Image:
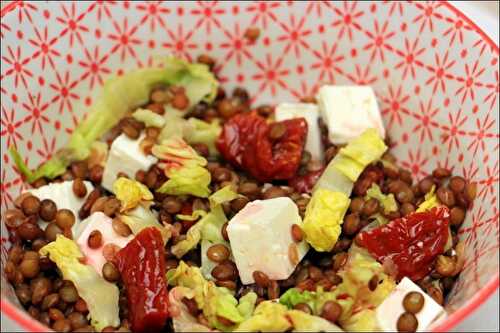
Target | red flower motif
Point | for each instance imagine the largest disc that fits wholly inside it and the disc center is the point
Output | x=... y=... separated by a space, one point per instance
x=410 y=57
x=36 y=110
x=362 y=77
x=488 y=184
x=124 y=39
x=263 y=11
x=10 y=126
x=470 y=173
x=440 y=72
x=154 y=13
x=44 y=46
x=48 y=149
x=18 y=66
x=94 y=66
x=348 y=16
x=3 y=27
x=328 y=62
x=25 y=8
x=452 y=131
x=73 y=27
x=102 y=7
x=180 y=44
x=305 y=90
x=478 y=219
x=416 y=163
x=470 y=81
x=63 y=89
x=481 y=134
x=208 y=14
x=294 y=35
x=271 y=74
x=428 y=13
x=237 y=45
x=456 y=28
x=394 y=105
x=318 y=5
x=378 y=41
x=425 y=118
x=493 y=94
x=394 y=5
x=7 y=199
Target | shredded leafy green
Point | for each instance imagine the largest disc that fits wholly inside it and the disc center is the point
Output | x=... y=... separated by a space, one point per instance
x=149 y=118
x=387 y=200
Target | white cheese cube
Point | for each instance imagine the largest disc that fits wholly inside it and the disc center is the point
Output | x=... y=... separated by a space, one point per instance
x=125 y=156
x=103 y=223
x=310 y=113
x=389 y=311
x=260 y=237
x=63 y=196
x=348 y=111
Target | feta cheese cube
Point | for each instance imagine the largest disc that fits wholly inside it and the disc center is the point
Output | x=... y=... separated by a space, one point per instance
x=348 y=111
x=103 y=223
x=125 y=156
x=63 y=196
x=389 y=311
x=310 y=113
x=261 y=239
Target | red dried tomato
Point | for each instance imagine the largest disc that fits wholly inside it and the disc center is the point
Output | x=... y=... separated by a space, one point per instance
x=142 y=267
x=411 y=243
x=245 y=142
x=305 y=183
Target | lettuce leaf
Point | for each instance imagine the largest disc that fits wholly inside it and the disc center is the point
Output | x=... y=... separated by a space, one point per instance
x=431 y=201
x=100 y=295
x=142 y=217
x=214 y=301
x=181 y=317
x=184 y=168
x=130 y=193
x=355 y=157
x=149 y=118
x=199 y=131
x=120 y=95
x=303 y=322
x=175 y=124
x=386 y=200
x=323 y=219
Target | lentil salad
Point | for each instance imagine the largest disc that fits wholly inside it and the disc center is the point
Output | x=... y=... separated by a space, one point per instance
x=210 y=157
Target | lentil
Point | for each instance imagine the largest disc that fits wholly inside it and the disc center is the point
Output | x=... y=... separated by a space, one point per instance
x=315 y=273
x=238 y=204
x=62 y=325
x=273 y=290
x=252 y=34
x=407 y=322
x=81 y=306
x=407 y=208
x=351 y=224
x=224 y=271
x=65 y=218
x=31 y=205
x=157 y=108
x=297 y=234
x=445 y=265
x=261 y=279
x=277 y=131
x=218 y=253
x=373 y=283
x=221 y=174
x=357 y=204
x=470 y=191
x=171 y=205
x=224 y=232
x=446 y=196
x=79 y=169
x=425 y=185
x=29 y=231
x=95 y=239
x=120 y=228
x=441 y=173
x=68 y=294
x=110 y=272
x=303 y=307
x=96 y=173
x=77 y=320
x=413 y=302
x=159 y=95
x=79 y=188
x=331 y=311
x=273 y=192
x=111 y=207
x=50 y=301
x=339 y=260
x=370 y=207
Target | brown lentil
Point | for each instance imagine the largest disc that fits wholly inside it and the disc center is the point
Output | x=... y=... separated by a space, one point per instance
x=303 y=307
x=29 y=231
x=436 y=293
x=315 y=273
x=224 y=271
x=50 y=301
x=330 y=153
x=23 y=293
x=95 y=174
x=221 y=174
x=425 y=185
x=248 y=188
x=120 y=227
x=14 y=218
x=206 y=59
x=277 y=131
x=441 y=173
x=373 y=283
x=273 y=192
x=45 y=319
x=445 y=265
x=227 y=107
x=339 y=260
x=159 y=95
x=331 y=311
x=171 y=205
x=218 y=253
x=30 y=205
x=470 y=191
x=357 y=204
x=407 y=322
x=157 y=108
x=51 y=231
x=68 y=294
x=202 y=149
x=40 y=288
x=264 y=110
x=98 y=205
x=413 y=302
x=457 y=216
x=111 y=207
x=456 y=184
x=351 y=224
x=370 y=207
x=79 y=169
x=273 y=290
x=407 y=208
x=95 y=239
x=109 y=251
x=65 y=218
x=239 y=203
x=29 y=268
x=79 y=188
x=226 y=284
x=62 y=325
x=81 y=306
x=261 y=279
x=297 y=234
x=333 y=277
x=84 y=211
x=77 y=320
x=446 y=196
x=110 y=272
x=224 y=232
x=48 y=210
x=252 y=34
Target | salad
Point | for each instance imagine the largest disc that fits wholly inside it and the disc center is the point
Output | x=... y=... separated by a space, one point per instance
x=178 y=206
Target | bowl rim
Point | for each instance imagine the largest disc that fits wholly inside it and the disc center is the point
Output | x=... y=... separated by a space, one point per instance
x=22 y=318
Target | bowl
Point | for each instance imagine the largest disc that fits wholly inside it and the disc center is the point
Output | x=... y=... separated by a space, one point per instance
x=435 y=74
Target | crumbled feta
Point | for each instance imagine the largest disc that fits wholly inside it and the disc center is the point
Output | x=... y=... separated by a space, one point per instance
x=310 y=113
x=348 y=111
x=125 y=155
x=389 y=311
x=103 y=223
x=63 y=196
x=261 y=239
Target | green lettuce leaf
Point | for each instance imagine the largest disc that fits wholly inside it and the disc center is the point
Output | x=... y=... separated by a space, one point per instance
x=175 y=124
x=182 y=319
x=359 y=153
x=142 y=217
x=246 y=305
x=323 y=219
x=100 y=295
x=386 y=200
x=193 y=237
x=50 y=169
x=303 y=322
x=431 y=201
x=149 y=118
x=199 y=131
x=214 y=301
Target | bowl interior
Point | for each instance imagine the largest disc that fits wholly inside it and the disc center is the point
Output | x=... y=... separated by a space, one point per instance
x=434 y=72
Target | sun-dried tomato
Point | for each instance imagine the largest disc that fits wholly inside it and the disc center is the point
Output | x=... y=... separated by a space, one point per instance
x=245 y=142
x=305 y=183
x=410 y=243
